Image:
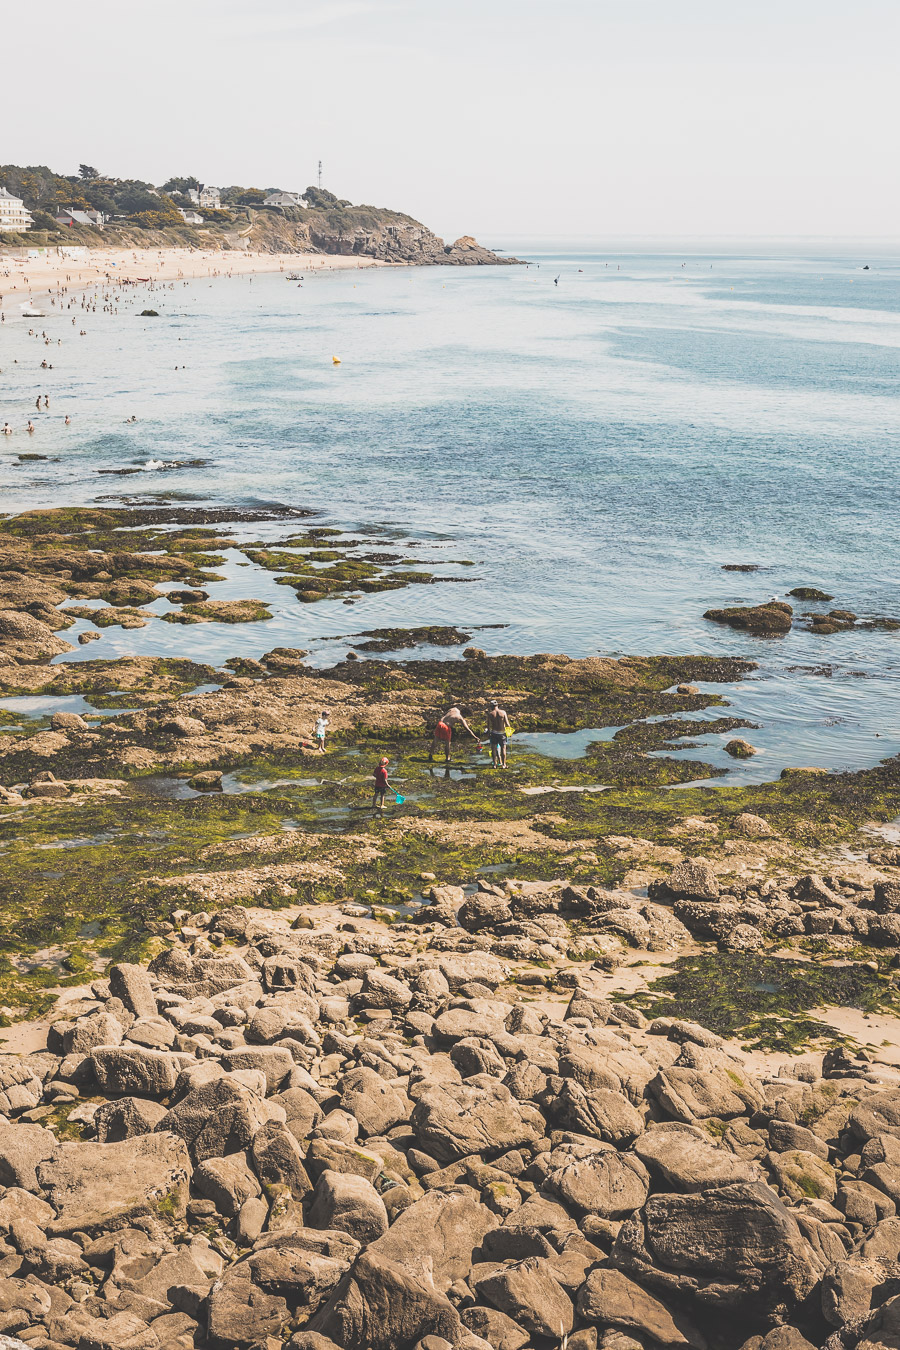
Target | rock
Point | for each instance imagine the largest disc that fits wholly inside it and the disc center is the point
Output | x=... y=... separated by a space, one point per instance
x=208 y=780
x=528 y=1292
x=228 y=1182
x=25 y=638
x=605 y=1183
x=277 y=1159
x=97 y=1187
x=350 y=1204
x=690 y=880
x=379 y=1305
x=273 y=1061
x=67 y=721
x=381 y=990
x=771 y=618
x=753 y=827
x=847 y=1290
x=126 y=1118
x=22 y=1147
x=688 y=1160
x=599 y=1112
x=733 y=1246
x=183 y=726
x=239 y=1314
x=809 y=593
x=690 y=1094
x=609 y=1299
x=740 y=749
x=216 y=1119
x=132 y=985
x=372 y=1101
x=475 y=1117
x=803 y=1176
x=135 y=1072
x=493 y=1326
x=435 y=1237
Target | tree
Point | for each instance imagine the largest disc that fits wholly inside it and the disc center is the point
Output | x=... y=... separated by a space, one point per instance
x=88 y=171
x=180 y=185
x=322 y=198
x=252 y=197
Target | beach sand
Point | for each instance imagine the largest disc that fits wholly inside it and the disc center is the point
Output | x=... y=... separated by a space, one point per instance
x=26 y=278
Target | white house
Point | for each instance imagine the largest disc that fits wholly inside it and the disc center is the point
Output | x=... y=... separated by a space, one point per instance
x=190 y=217
x=283 y=199
x=13 y=213
x=210 y=197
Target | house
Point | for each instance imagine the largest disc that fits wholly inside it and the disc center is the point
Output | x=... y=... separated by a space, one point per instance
x=70 y=218
x=210 y=197
x=13 y=213
x=190 y=217
x=283 y=199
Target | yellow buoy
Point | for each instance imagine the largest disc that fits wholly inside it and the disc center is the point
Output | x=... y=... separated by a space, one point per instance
x=336 y=360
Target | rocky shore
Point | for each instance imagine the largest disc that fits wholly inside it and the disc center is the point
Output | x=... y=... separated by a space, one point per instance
x=556 y=1057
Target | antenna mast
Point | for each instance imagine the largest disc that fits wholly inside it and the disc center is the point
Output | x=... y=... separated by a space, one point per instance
x=320 y=175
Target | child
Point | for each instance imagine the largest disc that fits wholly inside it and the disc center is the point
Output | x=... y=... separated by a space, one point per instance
x=321 y=728
x=381 y=784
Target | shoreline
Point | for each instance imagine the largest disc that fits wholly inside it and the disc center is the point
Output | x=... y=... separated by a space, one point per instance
x=21 y=276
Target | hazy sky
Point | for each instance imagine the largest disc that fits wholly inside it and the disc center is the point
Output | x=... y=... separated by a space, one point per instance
x=551 y=117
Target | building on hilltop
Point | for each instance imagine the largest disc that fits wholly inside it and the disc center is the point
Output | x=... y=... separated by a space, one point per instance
x=190 y=217
x=210 y=197
x=70 y=218
x=283 y=199
x=14 y=215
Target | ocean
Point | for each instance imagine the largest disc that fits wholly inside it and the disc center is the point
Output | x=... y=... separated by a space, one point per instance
x=599 y=433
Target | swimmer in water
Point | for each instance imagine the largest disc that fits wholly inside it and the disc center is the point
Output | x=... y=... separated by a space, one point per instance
x=30 y=426
x=68 y=419
x=7 y=429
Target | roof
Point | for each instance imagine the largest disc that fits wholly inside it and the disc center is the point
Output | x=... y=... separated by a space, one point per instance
x=8 y=196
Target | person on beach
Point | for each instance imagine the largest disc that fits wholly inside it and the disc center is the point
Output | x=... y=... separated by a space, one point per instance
x=321 y=728
x=443 y=732
x=381 y=783
x=498 y=730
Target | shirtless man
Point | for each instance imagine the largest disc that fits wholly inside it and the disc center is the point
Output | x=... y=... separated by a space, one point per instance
x=497 y=724
x=443 y=732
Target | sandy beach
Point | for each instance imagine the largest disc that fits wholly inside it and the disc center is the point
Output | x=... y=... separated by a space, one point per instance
x=23 y=277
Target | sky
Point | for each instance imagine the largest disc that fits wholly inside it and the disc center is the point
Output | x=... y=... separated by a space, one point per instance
x=498 y=118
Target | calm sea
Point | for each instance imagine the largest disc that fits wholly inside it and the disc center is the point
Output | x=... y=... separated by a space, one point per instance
x=597 y=432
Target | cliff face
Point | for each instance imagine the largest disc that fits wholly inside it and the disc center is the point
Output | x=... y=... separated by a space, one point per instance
x=365 y=232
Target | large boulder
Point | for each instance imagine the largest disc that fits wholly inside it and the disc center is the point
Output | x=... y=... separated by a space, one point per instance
x=22 y=1147
x=380 y=1305
x=688 y=1160
x=434 y=1238
x=687 y=1093
x=609 y=1299
x=529 y=1293
x=99 y=1187
x=349 y=1204
x=217 y=1118
x=372 y=1101
x=480 y=1116
x=239 y=1314
x=135 y=1072
x=606 y=1183
x=734 y=1246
